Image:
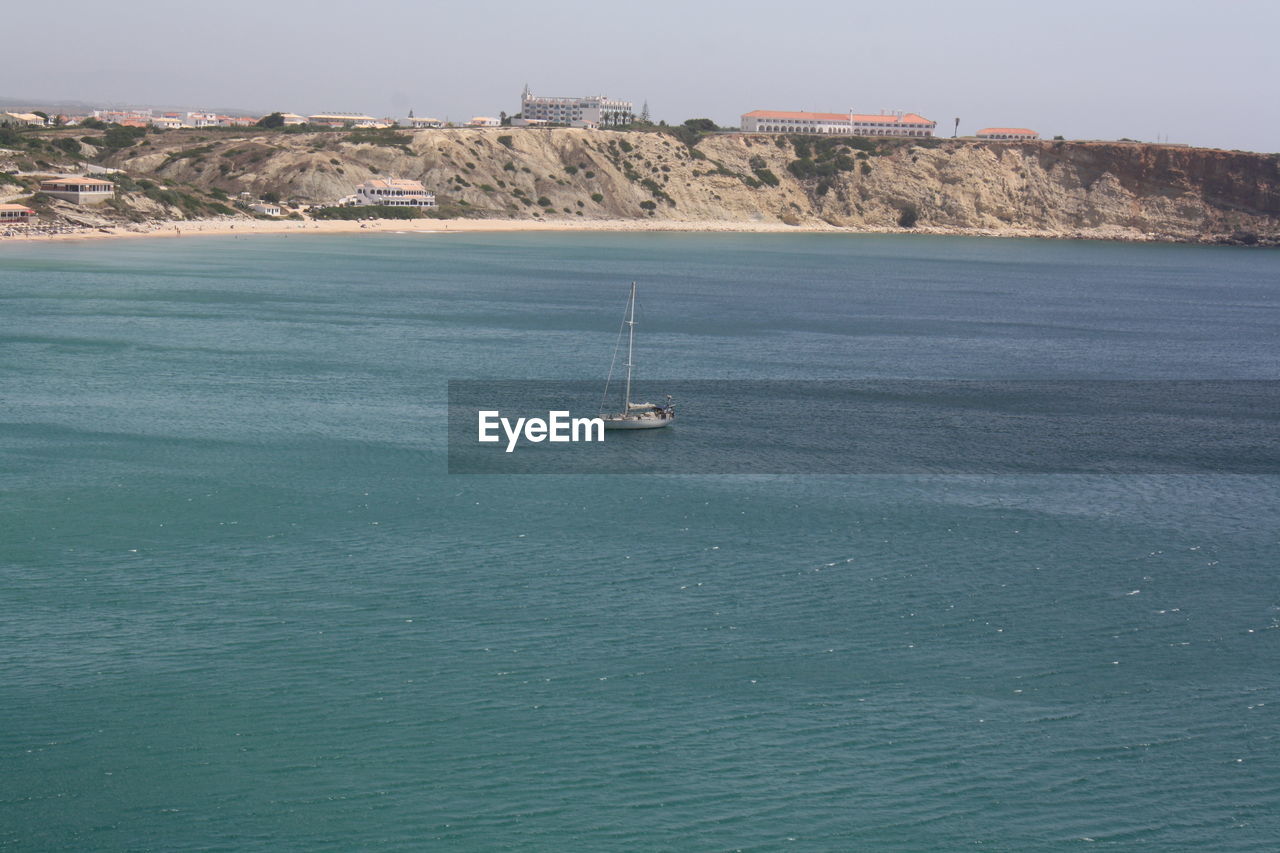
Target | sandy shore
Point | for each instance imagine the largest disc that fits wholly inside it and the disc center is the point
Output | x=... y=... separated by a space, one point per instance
x=241 y=227
x=252 y=227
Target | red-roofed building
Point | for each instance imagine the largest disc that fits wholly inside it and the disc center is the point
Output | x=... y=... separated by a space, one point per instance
x=855 y=124
x=15 y=214
x=1016 y=133
x=79 y=190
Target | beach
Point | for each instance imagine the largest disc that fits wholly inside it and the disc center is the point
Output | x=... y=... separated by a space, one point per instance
x=253 y=227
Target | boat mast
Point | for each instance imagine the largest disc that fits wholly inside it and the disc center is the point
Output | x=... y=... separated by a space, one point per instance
x=631 y=341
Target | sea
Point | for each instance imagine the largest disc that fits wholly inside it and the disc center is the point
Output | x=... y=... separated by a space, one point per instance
x=246 y=606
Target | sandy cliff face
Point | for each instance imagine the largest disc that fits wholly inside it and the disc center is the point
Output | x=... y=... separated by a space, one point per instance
x=1061 y=188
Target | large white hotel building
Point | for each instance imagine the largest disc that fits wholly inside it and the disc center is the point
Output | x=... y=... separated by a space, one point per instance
x=587 y=111
x=850 y=124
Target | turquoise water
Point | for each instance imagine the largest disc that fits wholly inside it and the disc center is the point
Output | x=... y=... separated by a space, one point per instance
x=246 y=608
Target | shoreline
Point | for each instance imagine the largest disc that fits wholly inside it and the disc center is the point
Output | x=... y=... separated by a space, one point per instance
x=254 y=227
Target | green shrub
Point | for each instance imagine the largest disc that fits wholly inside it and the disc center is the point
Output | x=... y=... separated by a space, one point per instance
x=597 y=198
x=118 y=137
x=544 y=201
x=767 y=177
x=385 y=137
x=371 y=211
x=802 y=168
x=908 y=217
x=626 y=146
x=571 y=170
x=648 y=205
x=507 y=141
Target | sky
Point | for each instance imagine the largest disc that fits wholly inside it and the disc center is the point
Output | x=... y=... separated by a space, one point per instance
x=1191 y=72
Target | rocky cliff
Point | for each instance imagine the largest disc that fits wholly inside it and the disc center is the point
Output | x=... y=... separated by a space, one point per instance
x=1121 y=190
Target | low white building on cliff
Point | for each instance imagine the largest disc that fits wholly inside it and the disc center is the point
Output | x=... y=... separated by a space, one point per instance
x=341 y=120
x=848 y=124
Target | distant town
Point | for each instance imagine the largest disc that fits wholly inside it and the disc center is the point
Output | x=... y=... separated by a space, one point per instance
x=585 y=111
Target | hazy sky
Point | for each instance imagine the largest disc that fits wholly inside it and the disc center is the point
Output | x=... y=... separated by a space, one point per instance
x=1201 y=73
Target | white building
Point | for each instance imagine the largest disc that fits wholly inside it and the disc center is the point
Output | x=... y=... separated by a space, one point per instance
x=849 y=124
x=123 y=117
x=1007 y=133
x=166 y=122
x=21 y=119
x=79 y=190
x=338 y=120
x=290 y=119
x=589 y=110
x=267 y=208
x=392 y=192
x=420 y=123
x=199 y=119
x=484 y=121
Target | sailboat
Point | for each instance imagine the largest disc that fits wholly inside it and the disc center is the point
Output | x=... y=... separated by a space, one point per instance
x=634 y=415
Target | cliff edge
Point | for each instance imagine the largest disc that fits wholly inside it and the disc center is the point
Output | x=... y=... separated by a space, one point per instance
x=1050 y=188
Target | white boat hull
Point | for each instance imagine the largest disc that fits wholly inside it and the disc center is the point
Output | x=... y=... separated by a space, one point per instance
x=637 y=422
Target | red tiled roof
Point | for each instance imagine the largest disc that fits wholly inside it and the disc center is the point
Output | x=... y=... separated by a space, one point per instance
x=92 y=182
x=791 y=115
x=908 y=118
x=912 y=118
x=1021 y=131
